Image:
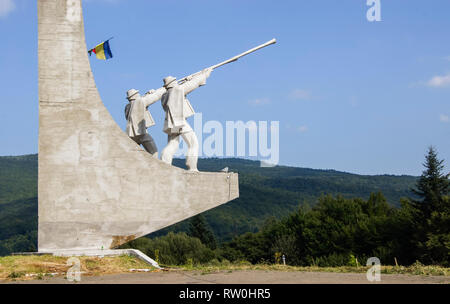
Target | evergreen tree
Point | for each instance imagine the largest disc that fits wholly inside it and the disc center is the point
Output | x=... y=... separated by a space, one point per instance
x=432 y=212
x=199 y=228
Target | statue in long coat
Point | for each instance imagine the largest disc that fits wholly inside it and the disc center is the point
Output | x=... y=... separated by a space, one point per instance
x=178 y=109
x=139 y=118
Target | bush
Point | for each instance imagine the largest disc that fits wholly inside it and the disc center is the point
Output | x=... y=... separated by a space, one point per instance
x=333 y=260
x=174 y=249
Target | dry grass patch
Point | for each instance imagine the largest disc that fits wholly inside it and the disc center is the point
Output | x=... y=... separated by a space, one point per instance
x=415 y=269
x=32 y=267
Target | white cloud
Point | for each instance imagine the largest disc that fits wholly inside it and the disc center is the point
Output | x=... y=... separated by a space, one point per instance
x=302 y=129
x=300 y=94
x=259 y=101
x=444 y=118
x=6 y=7
x=439 y=81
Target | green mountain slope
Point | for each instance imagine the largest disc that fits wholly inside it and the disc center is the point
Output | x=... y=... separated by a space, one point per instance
x=277 y=191
x=18 y=226
x=18 y=177
x=264 y=193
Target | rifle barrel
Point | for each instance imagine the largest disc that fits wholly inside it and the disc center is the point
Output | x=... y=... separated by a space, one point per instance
x=245 y=53
x=235 y=57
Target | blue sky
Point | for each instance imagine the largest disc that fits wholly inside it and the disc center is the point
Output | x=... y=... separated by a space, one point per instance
x=351 y=95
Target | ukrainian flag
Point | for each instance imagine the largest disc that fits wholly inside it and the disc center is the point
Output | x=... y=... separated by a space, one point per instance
x=102 y=51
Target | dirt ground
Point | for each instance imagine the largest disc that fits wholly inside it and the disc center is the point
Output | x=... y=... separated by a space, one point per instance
x=244 y=277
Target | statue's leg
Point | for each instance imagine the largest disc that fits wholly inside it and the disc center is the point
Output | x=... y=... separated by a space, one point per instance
x=136 y=139
x=192 y=153
x=149 y=145
x=173 y=141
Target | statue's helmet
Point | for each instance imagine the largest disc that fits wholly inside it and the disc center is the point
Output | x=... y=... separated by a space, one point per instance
x=131 y=93
x=168 y=80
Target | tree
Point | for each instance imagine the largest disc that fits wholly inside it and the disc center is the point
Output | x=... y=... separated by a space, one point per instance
x=433 y=186
x=199 y=228
x=432 y=212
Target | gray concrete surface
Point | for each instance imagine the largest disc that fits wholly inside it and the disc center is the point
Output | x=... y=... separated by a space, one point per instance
x=97 y=188
x=245 y=277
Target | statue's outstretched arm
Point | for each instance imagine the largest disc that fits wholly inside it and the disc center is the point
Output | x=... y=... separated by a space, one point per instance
x=196 y=81
x=153 y=96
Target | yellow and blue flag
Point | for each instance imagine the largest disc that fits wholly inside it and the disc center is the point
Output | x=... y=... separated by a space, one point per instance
x=102 y=51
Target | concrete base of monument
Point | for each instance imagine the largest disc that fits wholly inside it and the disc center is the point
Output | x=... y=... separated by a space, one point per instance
x=96 y=253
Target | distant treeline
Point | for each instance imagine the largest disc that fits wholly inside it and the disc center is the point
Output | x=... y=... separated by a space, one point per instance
x=335 y=232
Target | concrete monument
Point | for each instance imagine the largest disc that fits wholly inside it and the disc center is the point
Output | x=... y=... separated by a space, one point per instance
x=97 y=188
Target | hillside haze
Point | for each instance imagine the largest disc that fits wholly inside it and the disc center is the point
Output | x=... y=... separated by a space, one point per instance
x=264 y=193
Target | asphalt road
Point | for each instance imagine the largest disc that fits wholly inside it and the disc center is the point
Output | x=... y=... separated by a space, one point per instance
x=244 y=277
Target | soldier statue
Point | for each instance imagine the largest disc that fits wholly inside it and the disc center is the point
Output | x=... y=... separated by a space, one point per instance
x=139 y=118
x=178 y=108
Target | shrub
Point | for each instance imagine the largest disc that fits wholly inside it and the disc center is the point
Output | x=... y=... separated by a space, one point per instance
x=174 y=249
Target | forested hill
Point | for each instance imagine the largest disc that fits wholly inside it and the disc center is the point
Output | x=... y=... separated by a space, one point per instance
x=311 y=183
x=264 y=192
x=18 y=177
x=277 y=191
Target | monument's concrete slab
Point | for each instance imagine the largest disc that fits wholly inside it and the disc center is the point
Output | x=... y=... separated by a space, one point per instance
x=97 y=188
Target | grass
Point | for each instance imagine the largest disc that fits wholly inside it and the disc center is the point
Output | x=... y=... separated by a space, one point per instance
x=38 y=267
x=415 y=269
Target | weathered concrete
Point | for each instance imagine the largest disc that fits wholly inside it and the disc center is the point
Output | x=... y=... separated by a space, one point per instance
x=97 y=188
